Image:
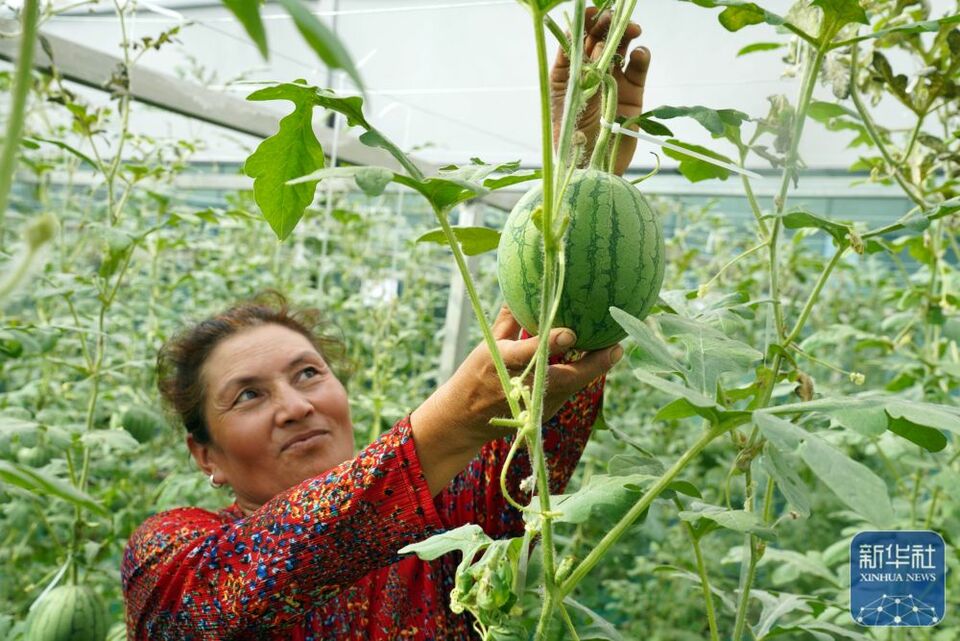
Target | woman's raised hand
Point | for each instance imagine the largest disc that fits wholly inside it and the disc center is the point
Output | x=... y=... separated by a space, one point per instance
x=450 y=427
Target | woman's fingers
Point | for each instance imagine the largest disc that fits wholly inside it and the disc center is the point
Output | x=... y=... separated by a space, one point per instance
x=518 y=354
x=566 y=379
x=505 y=326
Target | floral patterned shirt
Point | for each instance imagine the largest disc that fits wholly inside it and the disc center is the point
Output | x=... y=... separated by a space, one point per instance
x=319 y=561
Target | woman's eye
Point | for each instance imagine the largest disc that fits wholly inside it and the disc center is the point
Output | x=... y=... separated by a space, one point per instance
x=246 y=395
x=309 y=372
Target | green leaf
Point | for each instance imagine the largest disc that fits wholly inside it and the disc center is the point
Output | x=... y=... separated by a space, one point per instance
x=869 y=421
x=597 y=628
x=694 y=169
x=695 y=398
x=783 y=434
x=824 y=111
x=371 y=180
x=760 y=46
x=853 y=483
x=800 y=218
x=842 y=12
x=119 y=440
x=739 y=14
x=926 y=437
x=290 y=153
x=602 y=495
x=710 y=353
x=774 y=607
x=323 y=41
x=713 y=120
x=940 y=417
x=42 y=484
x=653 y=127
x=468 y=539
x=473 y=240
x=737 y=520
x=784 y=473
x=248 y=13
x=651 y=353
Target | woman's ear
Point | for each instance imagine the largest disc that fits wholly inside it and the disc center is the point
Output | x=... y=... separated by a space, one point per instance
x=202 y=455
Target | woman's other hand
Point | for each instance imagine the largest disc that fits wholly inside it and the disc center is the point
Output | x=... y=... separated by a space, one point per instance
x=451 y=426
x=631 y=79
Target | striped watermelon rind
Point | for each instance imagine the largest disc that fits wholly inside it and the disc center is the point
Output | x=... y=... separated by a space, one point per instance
x=614 y=257
x=69 y=613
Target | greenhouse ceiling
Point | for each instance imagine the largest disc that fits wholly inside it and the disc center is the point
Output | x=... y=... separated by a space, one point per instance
x=453 y=79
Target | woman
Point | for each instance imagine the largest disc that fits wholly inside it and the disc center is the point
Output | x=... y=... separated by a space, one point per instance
x=309 y=548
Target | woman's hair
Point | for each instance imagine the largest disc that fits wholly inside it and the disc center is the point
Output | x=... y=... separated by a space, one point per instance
x=180 y=360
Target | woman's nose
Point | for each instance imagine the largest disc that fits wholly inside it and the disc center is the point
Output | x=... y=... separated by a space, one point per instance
x=292 y=405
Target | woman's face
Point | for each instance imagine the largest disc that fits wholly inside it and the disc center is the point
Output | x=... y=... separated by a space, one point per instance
x=277 y=415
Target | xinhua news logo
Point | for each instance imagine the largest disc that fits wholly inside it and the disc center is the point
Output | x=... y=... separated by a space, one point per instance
x=897 y=578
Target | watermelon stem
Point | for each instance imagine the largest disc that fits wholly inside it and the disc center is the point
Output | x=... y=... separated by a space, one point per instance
x=599 y=157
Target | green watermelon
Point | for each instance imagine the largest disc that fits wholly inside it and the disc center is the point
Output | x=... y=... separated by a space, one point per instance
x=142 y=423
x=69 y=613
x=614 y=258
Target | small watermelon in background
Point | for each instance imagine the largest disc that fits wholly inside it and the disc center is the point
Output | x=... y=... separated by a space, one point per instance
x=614 y=258
x=143 y=423
x=69 y=613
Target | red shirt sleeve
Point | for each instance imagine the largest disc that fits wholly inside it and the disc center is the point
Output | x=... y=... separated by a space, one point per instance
x=190 y=573
x=474 y=495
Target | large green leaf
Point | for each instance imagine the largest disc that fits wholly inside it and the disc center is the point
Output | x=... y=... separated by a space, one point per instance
x=852 y=482
x=468 y=539
x=694 y=169
x=43 y=484
x=607 y=497
x=781 y=469
x=473 y=240
x=292 y=152
x=916 y=421
x=248 y=13
x=713 y=120
x=738 y=520
x=651 y=353
x=323 y=41
x=710 y=353
x=801 y=218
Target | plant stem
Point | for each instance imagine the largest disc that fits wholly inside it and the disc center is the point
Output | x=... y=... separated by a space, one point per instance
x=18 y=101
x=547 y=307
x=621 y=18
x=591 y=560
x=812 y=298
x=488 y=338
x=704 y=578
